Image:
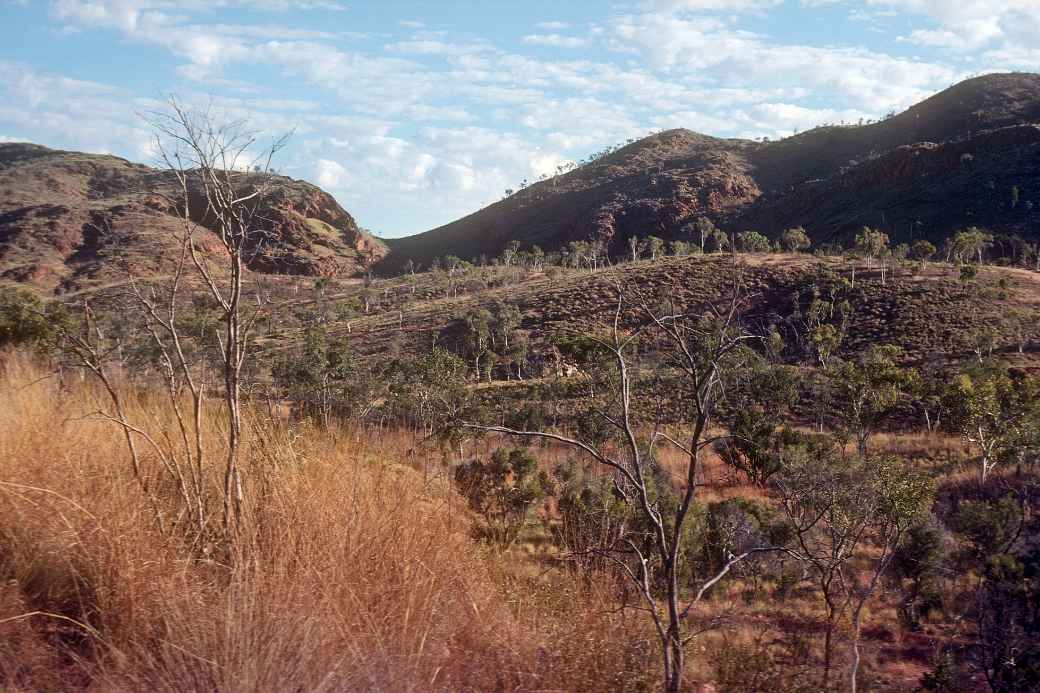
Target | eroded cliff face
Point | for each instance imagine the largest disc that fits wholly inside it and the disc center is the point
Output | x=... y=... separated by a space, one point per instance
x=70 y=221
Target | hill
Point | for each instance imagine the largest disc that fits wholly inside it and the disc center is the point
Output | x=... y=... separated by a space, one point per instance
x=969 y=155
x=70 y=221
x=927 y=311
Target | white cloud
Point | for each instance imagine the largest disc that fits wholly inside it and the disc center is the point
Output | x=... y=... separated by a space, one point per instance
x=330 y=175
x=553 y=26
x=555 y=40
x=970 y=24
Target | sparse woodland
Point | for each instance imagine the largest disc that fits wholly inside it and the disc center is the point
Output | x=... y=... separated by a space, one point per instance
x=699 y=465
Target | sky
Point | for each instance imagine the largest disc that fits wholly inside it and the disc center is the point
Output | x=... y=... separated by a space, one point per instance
x=413 y=113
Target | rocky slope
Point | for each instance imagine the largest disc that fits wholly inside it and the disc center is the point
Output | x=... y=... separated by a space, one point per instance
x=950 y=161
x=72 y=221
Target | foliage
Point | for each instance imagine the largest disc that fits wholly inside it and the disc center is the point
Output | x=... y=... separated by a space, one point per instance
x=324 y=379
x=796 y=240
x=502 y=490
x=429 y=391
x=995 y=410
x=23 y=319
x=872 y=243
x=920 y=559
x=922 y=250
x=1007 y=616
x=867 y=391
x=752 y=242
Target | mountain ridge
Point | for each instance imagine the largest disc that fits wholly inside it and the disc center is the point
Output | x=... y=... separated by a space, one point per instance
x=657 y=184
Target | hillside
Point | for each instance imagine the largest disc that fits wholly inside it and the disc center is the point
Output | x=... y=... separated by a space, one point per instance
x=945 y=163
x=72 y=221
x=927 y=311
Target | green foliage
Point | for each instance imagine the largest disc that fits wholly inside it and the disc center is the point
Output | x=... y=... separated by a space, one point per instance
x=324 y=379
x=971 y=244
x=867 y=391
x=922 y=250
x=429 y=391
x=502 y=491
x=919 y=560
x=593 y=516
x=796 y=240
x=989 y=526
x=871 y=242
x=23 y=320
x=1008 y=622
x=996 y=411
x=752 y=242
x=759 y=438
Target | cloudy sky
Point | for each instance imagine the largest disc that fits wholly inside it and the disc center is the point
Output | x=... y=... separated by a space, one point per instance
x=413 y=113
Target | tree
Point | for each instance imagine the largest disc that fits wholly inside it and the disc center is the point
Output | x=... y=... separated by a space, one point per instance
x=756 y=414
x=796 y=240
x=705 y=350
x=477 y=337
x=634 y=247
x=502 y=491
x=972 y=242
x=704 y=229
x=848 y=516
x=752 y=242
x=324 y=380
x=208 y=160
x=865 y=392
x=871 y=243
x=680 y=248
x=996 y=412
x=922 y=250
x=23 y=319
x=719 y=241
x=652 y=246
x=427 y=391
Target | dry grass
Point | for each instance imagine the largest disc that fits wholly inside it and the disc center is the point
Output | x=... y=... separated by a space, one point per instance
x=356 y=573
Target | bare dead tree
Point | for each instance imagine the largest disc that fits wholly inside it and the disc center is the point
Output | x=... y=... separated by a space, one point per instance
x=702 y=348
x=222 y=185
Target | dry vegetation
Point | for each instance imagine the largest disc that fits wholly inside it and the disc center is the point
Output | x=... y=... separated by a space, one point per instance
x=357 y=573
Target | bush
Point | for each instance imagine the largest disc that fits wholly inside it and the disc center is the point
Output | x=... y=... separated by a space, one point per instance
x=502 y=491
x=23 y=319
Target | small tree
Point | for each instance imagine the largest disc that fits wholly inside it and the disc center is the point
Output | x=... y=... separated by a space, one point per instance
x=703 y=229
x=752 y=242
x=865 y=392
x=871 y=243
x=972 y=242
x=796 y=240
x=652 y=246
x=23 y=319
x=222 y=184
x=995 y=412
x=705 y=350
x=922 y=250
x=848 y=516
x=502 y=491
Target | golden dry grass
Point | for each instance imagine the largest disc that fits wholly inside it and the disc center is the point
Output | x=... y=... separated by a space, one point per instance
x=353 y=572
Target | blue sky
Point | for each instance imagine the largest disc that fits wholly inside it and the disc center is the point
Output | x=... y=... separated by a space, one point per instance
x=416 y=113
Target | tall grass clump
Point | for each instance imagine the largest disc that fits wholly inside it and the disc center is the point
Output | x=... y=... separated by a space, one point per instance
x=352 y=571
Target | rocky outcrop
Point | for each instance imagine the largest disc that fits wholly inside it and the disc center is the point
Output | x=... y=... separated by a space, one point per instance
x=70 y=221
